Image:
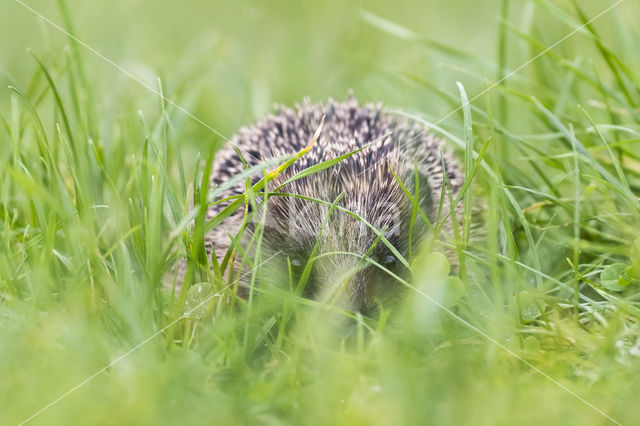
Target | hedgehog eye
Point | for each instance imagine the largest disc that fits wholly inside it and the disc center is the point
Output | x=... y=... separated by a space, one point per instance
x=296 y=261
x=388 y=261
x=297 y=264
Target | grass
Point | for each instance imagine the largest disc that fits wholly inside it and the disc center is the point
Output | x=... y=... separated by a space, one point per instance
x=97 y=175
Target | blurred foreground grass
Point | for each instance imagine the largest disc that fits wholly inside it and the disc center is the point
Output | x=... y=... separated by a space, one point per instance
x=97 y=174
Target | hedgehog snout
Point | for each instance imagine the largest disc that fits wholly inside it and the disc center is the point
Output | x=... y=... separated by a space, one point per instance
x=347 y=286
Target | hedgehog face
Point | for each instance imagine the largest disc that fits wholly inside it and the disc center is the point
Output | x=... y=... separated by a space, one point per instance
x=346 y=254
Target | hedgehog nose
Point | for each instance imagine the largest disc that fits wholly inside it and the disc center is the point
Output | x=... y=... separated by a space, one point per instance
x=350 y=292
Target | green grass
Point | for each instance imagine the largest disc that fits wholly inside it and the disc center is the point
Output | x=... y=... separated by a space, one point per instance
x=97 y=176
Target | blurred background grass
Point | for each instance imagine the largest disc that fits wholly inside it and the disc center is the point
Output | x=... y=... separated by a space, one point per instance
x=85 y=243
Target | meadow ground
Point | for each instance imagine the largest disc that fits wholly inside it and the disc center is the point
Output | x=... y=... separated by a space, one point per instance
x=102 y=151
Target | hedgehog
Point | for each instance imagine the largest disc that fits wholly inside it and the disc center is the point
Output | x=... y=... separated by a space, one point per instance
x=347 y=226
